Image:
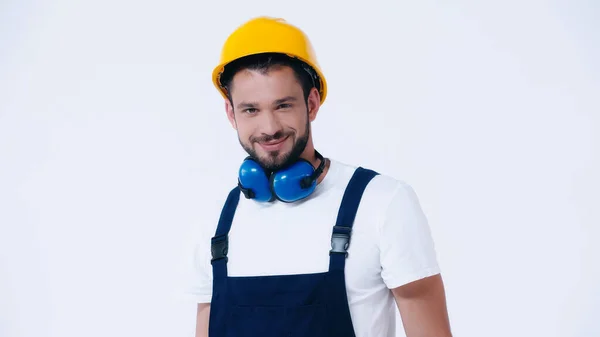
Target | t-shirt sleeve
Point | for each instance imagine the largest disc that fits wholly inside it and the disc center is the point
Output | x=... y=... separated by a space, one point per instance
x=198 y=269
x=199 y=283
x=406 y=244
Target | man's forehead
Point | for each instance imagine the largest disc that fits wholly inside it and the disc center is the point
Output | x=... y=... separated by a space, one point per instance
x=265 y=88
x=273 y=73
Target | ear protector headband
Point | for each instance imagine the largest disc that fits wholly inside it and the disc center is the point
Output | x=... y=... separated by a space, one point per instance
x=292 y=183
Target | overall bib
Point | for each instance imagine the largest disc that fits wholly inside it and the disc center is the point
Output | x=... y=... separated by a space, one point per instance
x=306 y=305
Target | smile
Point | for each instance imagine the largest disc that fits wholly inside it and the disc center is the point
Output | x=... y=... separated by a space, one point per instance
x=273 y=145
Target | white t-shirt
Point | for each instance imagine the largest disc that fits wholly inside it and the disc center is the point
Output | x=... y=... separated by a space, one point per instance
x=391 y=244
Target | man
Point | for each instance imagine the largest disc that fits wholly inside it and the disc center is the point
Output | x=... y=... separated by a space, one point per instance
x=312 y=247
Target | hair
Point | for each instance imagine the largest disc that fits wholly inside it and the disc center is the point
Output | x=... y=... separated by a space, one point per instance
x=264 y=62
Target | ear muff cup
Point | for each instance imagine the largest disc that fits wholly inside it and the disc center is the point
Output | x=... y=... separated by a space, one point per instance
x=293 y=183
x=290 y=184
x=254 y=181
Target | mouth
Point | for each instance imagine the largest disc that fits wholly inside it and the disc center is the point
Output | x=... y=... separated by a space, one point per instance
x=273 y=145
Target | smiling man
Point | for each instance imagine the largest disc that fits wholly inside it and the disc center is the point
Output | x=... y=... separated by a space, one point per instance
x=276 y=138
x=306 y=245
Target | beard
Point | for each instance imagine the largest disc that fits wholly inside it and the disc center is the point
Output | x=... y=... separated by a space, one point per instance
x=275 y=160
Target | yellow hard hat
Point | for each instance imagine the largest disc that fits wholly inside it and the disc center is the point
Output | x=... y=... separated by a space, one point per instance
x=268 y=35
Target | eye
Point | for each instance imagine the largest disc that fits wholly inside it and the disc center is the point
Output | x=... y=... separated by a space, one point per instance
x=250 y=110
x=284 y=106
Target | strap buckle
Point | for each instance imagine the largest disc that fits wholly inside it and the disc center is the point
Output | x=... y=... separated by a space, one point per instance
x=219 y=247
x=340 y=240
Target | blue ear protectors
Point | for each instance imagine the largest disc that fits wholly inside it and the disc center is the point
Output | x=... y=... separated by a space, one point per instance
x=290 y=184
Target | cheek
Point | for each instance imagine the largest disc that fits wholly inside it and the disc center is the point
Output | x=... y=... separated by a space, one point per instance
x=244 y=132
x=300 y=125
x=295 y=121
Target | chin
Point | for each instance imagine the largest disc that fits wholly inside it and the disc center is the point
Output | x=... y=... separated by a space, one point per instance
x=274 y=161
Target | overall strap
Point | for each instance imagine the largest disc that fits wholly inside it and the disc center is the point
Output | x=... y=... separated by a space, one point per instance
x=220 y=242
x=342 y=231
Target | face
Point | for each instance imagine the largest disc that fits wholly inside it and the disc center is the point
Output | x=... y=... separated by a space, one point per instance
x=270 y=115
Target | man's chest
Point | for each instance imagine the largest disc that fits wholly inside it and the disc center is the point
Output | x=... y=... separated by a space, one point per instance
x=298 y=241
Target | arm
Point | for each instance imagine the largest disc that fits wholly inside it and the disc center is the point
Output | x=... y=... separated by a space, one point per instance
x=200 y=277
x=202 y=316
x=410 y=267
x=422 y=305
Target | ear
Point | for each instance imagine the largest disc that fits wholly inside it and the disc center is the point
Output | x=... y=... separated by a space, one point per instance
x=314 y=103
x=230 y=114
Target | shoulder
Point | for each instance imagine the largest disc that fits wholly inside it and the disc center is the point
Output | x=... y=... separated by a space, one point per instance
x=385 y=196
x=383 y=189
x=209 y=210
x=392 y=199
x=401 y=233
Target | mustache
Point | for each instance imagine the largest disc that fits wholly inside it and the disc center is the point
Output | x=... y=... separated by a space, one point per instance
x=267 y=138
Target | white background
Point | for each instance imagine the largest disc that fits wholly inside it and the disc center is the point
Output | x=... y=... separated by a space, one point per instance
x=113 y=142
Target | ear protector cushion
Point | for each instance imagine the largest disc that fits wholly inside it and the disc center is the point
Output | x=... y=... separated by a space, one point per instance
x=289 y=184
x=293 y=183
x=254 y=182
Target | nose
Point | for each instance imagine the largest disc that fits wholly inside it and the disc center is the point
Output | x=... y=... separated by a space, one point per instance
x=269 y=123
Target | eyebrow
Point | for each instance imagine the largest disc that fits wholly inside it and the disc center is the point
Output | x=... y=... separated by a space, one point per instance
x=285 y=99
x=243 y=105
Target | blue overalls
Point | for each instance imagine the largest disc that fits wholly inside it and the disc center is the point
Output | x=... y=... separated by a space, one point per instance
x=307 y=305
